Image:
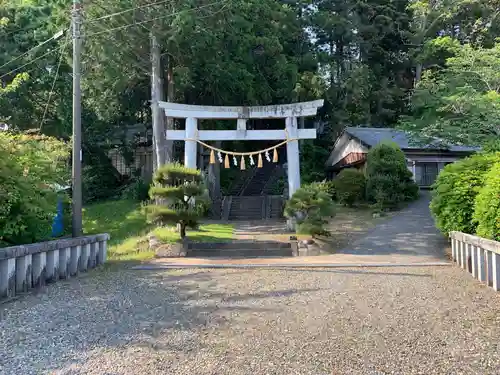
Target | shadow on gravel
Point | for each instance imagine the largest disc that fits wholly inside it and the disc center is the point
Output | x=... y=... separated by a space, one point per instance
x=163 y=311
x=352 y=271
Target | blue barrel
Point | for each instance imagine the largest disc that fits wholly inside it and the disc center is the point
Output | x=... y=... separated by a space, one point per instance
x=58 y=223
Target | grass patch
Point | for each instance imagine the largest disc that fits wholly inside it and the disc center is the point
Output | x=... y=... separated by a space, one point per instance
x=206 y=233
x=125 y=221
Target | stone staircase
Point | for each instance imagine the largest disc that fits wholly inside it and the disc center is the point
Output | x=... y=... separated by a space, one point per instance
x=240 y=249
x=247 y=208
x=259 y=180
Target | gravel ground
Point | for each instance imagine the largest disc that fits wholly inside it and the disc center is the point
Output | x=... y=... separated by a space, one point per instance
x=319 y=321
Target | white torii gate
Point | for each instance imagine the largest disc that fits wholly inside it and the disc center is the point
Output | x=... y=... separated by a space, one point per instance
x=290 y=112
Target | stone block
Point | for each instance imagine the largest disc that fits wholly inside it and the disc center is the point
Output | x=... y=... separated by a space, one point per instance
x=7 y=278
x=52 y=266
x=24 y=273
x=39 y=269
x=64 y=262
x=76 y=253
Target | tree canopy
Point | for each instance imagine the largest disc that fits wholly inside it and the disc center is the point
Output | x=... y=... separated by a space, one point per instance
x=431 y=66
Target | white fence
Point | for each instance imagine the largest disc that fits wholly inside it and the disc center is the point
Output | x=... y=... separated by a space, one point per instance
x=479 y=256
x=30 y=266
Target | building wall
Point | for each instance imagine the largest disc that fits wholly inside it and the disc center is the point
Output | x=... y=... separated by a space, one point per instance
x=345 y=146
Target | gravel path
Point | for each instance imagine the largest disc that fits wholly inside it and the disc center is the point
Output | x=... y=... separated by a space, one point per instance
x=337 y=321
x=408 y=232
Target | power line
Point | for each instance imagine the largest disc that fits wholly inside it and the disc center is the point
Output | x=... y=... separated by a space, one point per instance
x=53 y=37
x=129 y=10
x=63 y=47
x=28 y=63
x=153 y=19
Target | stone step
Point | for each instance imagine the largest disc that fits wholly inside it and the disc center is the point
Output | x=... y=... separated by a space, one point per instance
x=236 y=245
x=242 y=253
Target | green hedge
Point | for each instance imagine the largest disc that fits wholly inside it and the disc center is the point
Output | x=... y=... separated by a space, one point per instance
x=455 y=190
x=350 y=186
x=487 y=206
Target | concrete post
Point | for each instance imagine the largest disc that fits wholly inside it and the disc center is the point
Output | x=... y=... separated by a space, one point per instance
x=495 y=263
x=454 y=250
x=84 y=259
x=102 y=253
x=52 y=266
x=93 y=255
x=489 y=267
x=7 y=278
x=473 y=258
x=76 y=253
x=481 y=266
x=190 y=146
x=39 y=269
x=467 y=254
x=64 y=262
x=24 y=273
x=293 y=158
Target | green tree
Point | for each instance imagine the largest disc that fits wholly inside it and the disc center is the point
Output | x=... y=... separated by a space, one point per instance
x=389 y=182
x=460 y=103
x=181 y=196
x=30 y=169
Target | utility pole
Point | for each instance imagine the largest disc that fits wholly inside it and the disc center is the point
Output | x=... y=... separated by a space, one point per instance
x=156 y=114
x=77 y=120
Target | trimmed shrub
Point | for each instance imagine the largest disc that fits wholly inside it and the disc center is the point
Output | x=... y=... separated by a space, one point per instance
x=455 y=191
x=182 y=197
x=311 y=207
x=350 y=186
x=389 y=182
x=487 y=206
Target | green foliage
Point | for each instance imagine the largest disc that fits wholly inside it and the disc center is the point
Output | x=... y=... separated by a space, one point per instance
x=455 y=190
x=487 y=206
x=136 y=190
x=389 y=182
x=311 y=207
x=459 y=103
x=350 y=186
x=181 y=195
x=31 y=167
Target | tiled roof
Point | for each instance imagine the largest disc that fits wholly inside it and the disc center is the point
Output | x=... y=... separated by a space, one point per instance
x=373 y=136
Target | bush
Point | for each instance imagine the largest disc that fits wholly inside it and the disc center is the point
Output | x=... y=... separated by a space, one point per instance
x=487 y=206
x=455 y=191
x=136 y=190
x=389 y=182
x=311 y=207
x=183 y=197
x=350 y=186
x=30 y=169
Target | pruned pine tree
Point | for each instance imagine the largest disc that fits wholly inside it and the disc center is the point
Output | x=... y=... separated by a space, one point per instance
x=181 y=196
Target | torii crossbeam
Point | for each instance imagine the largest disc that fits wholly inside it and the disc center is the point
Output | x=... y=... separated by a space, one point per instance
x=290 y=112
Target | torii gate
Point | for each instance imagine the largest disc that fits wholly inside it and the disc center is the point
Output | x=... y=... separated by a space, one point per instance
x=290 y=112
